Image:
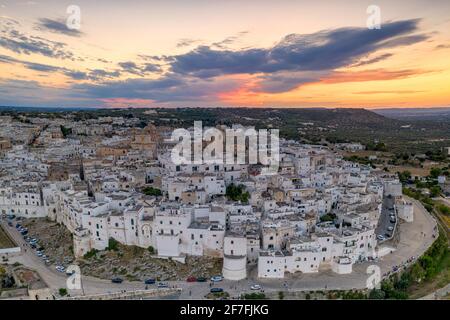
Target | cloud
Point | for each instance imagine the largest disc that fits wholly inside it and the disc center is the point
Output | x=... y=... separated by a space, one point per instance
x=18 y=42
x=165 y=89
x=442 y=46
x=56 y=26
x=320 y=52
x=373 y=60
x=229 y=40
x=140 y=70
x=186 y=42
x=370 y=75
x=30 y=65
x=388 y=92
x=95 y=74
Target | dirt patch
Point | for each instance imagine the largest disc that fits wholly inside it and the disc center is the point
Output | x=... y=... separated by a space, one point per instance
x=54 y=238
x=128 y=262
x=5 y=241
x=137 y=264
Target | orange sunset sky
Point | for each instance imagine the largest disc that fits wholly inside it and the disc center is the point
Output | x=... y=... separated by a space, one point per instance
x=252 y=53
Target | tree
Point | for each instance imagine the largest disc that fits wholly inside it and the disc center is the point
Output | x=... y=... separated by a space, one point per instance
x=435 y=191
x=236 y=193
x=435 y=172
x=62 y=292
x=113 y=244
x=404 y=176
x=150 y=191
x=377 y=294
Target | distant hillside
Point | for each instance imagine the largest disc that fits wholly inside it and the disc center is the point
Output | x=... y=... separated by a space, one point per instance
x=313 y=125
x=417 y=114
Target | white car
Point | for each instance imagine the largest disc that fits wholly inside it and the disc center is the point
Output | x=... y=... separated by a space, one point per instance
x=216 y=278
x=380 y=237
x=255 y=287
x=390 y=228
x=60 y=268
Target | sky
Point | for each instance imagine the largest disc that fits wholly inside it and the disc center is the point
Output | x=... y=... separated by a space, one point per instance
x=211 y=53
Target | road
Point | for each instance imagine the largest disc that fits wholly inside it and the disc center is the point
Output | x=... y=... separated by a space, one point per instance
x=384 y=222
x=415 y=238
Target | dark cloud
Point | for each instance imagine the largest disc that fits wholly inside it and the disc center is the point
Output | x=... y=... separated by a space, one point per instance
x=95 y=74
x=56 y=26
x=324 y=50
x=168 y=88
x=140 y=70
x=16 y=41
x=30 y=65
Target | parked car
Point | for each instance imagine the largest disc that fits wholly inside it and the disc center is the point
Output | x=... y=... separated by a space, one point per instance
x=10 y=223
x=216 y=290
x=150 y=281
x=390 y=228
x=255 y=287
x=380 y=237
x=191 y=279
x=117 y=280
x=18 y=226
x=60 y=268
x=163 y=285
x=201 y=279
x=39 y=253
x=69 y=273
x=216 y=278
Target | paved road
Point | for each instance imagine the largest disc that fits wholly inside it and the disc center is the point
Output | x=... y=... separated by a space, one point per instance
x=384 y=222
x=415 y=238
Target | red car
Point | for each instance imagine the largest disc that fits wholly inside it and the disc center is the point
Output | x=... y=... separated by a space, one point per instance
x=191 y=279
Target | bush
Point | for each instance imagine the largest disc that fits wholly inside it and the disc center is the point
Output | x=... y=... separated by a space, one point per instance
x=377 y=294
x=150 y=191
x=254 y=296
x=151 y=250
x=62 y=292
x=236 y=193
x=90 y=254
x=113 y=244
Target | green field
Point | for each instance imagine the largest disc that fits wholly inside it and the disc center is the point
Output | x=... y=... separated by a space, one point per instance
x=5 y=241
